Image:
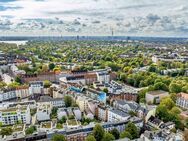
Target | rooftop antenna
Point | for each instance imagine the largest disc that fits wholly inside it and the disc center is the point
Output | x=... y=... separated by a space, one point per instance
x=112 y=32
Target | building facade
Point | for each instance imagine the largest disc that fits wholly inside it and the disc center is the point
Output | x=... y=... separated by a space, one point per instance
x=182 y=100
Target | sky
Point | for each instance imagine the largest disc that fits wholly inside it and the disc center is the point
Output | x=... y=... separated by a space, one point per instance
x=94 y=17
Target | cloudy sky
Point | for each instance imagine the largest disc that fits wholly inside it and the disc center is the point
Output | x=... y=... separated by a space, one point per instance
x=94 y=17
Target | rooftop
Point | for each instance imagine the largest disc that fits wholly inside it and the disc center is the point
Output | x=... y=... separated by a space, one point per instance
x=183 y=95
x=158 y=92
x=120 y=113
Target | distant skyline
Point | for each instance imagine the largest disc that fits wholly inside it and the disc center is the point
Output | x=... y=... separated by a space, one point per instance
x=94 y=17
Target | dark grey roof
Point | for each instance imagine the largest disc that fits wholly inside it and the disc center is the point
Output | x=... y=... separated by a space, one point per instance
x=133 y=105
x=118 y=112
x=48 y=99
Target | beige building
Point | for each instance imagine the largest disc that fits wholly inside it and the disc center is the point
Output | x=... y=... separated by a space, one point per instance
x=82 y=103
x=154 y=97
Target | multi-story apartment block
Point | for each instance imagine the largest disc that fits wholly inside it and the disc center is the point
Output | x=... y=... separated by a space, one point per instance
x=36 y=87
x=82 y=103
x=43 y=112
x=103 y=76
x=102 y=113
x=96 y=95
x=22 y=91
x=55 y=102
x=182 y=100
x=115 y=115
x=14 y=115
x=6 y=95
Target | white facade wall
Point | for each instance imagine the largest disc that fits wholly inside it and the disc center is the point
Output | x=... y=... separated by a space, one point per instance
x=181 y=102
x=22 y=93
x=14 y=116
x=113 y=117
x=77 y=114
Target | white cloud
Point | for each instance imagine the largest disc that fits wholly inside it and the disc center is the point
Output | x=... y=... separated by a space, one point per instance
x=95 y=17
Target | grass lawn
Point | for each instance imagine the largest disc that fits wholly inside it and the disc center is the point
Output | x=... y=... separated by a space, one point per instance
x=18 y=128
x=46 y=125
x=72 y=122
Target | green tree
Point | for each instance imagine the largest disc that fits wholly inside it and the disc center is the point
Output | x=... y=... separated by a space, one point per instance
x=54 y=112
x=90 y=138
x=30 y=130
x=160 y=86
x=115 y=133
x=132 y=129
x=173 y=96
x=162 y=112
x=168 y=103
x=51 y=66
x=175 y=88
x=18 y=79
x=47 y=84
x=58 y=137
x=125 y=134
x=68 y=101
x=6 y=131
x=2 y=85
x=175 y=110
x=105 y=90
x=98 y=132
x=152 y=68
x=108 y=137
x=63 y=120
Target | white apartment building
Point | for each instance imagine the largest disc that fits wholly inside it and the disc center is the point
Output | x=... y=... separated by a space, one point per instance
x=61 y=113
x=77 y=113
x=14 y=115
x=36 y=87
x=7 y=95
x=182 y=100
x=115 y=115
x=22 y=92
x=43 y=112
x=55 y=102
x=103 y=76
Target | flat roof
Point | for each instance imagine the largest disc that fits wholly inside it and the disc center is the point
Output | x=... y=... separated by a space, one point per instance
x=158 y=92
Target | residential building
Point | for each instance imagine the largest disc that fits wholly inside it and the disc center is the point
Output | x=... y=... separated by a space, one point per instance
x=115 y=115
x=160 y=135
x=77 y=113
x=14 y=115
x=36 y=87
x=103 y=76
x=15 y=71
x=182 y=100
x=92 y=106
x=43 y=112
x=102 y=113
x=55 y=102
x=123 y=96
x=7 y=94
x=154 y=97
x=22 y=91
x=145 y=112
x=126 y=106
x=61 y=113
x=96 y=95
x=82 y=103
